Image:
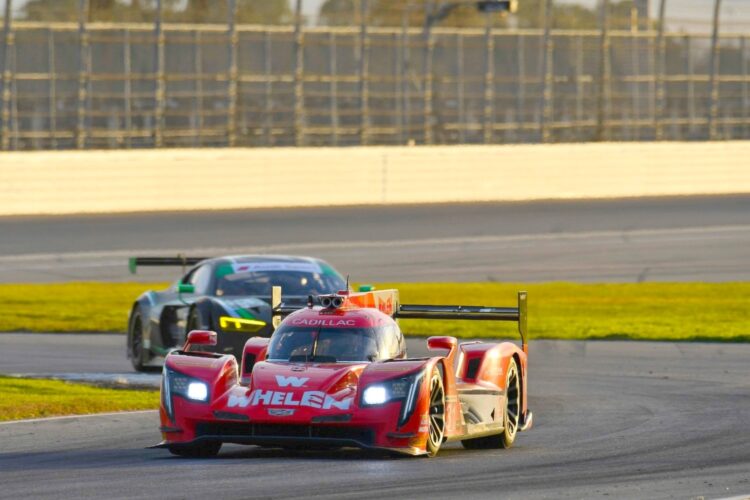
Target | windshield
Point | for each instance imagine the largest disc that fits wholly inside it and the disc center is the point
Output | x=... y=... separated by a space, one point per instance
x=327 y=345
x=291 y=282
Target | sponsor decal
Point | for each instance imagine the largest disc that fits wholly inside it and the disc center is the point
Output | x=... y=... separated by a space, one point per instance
x=324 y=322
x=424 y=424
x=310 y=399
x=291 y=381
x=256 y=267
x=280 y=412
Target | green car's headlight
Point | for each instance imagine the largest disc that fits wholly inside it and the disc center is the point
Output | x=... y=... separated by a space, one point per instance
x=231 y=324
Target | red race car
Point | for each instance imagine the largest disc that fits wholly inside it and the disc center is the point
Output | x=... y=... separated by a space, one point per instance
x=336 y=374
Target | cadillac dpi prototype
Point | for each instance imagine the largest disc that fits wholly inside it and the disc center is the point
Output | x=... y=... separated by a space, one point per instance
x=337 y=375
x=228 y=295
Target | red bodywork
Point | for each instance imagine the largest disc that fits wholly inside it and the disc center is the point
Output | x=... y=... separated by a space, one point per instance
x=280 y=403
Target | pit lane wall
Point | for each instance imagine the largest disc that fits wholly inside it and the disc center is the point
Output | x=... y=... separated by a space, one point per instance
x=190 y=179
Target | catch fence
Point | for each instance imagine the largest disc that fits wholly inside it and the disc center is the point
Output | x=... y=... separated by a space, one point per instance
x=99 y=85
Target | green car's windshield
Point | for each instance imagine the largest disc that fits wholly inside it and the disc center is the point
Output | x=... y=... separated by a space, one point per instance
x=292 y=283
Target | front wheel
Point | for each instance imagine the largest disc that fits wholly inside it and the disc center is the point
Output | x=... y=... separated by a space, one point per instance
x=136 y=345
x=199 y=450
x=436 y=414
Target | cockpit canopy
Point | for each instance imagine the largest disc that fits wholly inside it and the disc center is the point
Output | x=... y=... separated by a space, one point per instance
x=330 y=345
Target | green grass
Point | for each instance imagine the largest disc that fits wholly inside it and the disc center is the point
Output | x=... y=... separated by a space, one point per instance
x=645 y=311
x=26 y=398
x=69 y=307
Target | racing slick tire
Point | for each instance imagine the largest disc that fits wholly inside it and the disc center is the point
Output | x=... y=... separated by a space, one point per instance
x=136 y=349
x=436 y=414
x=200 y=450
x=511 y=415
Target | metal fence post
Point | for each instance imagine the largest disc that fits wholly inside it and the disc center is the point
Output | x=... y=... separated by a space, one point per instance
x=198 y=68
x=659 y=59
x=233 y=73
x=404 y=75
x=364 y=110
x=52 y=86
x=268 y=71
x=713 y=86
x=602 y=121
x=690 y=84
x=547 y=74
x=489 y=82
x=84 y=70
x=521 y=86
x=579 y=87
x=299 y=61
x=635 y=61
x=427 y=68
x=127 y=63
x=5 y=78
x=160 y=94
x=398 y=99
x=460 y=88
x=745 y=95
x=334 y=98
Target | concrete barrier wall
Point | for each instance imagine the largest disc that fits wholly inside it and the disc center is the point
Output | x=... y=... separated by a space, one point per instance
x=185 y=179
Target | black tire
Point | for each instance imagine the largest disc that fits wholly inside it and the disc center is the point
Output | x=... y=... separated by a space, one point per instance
x=200 y=450
x=511 y=414
x=136 y=350
x=436 y=413
x=196 y=321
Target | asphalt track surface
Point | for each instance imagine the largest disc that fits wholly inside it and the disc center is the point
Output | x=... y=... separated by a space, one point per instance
x=704 y=238
x=612 y=420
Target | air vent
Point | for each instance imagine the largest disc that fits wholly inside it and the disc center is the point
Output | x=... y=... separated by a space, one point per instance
x=473 y=368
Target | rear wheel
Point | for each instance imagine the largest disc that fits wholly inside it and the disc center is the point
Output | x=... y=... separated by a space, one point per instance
x=436 y=414
x=199 y=450
x=510 y=415
x=136 y=344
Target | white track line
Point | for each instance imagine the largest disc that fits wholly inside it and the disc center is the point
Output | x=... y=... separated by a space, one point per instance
x=701 y=230
x=67 y=417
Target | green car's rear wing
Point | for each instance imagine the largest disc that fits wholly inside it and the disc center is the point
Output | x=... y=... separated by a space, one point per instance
x=179 y=260
x=476 y=313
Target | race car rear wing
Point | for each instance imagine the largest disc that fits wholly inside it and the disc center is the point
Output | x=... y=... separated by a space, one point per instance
x=387 y=301
x=179 y=260
x=475 y=313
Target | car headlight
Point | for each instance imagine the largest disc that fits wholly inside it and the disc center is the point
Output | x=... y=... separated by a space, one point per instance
x=230 y=324
x=197 y=391
x=177 y=384
x=404 y=389
x=375 y=395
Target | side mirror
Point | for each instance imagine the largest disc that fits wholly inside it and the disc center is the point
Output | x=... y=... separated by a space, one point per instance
x=448 y=343
x=185 y=288
x=366 y=288
x=199 y=337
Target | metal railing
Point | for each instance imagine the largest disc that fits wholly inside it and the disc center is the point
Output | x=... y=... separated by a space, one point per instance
x=104 y=85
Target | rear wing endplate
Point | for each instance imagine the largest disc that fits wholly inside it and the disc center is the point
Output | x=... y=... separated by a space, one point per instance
x=476 y=313
x=179 y=260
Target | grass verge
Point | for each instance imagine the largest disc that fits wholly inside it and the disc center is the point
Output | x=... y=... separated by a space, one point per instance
x=644 y=311
x=26 y=398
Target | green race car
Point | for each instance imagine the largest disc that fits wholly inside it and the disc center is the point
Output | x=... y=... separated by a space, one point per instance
x=229 y=295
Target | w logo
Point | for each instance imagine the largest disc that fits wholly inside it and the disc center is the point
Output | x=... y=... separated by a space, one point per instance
x=291 y=381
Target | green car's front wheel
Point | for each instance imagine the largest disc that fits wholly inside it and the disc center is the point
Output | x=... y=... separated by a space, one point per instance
x=136 y=345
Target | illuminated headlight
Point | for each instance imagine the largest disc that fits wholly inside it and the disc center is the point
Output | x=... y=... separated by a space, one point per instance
x=197 y=391
x=228 y=323
x=404 y=389
x=177 y=384
x=375 y=395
